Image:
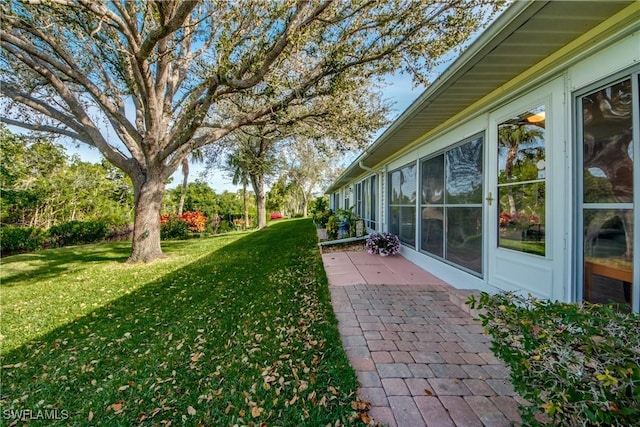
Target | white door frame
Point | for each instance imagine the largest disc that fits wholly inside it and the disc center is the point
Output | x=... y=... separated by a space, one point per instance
x=541 y=276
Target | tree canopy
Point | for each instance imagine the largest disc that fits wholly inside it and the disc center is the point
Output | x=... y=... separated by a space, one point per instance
x=144 y=81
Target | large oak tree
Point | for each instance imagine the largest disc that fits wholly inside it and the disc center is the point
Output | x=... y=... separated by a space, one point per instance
x=142 y=81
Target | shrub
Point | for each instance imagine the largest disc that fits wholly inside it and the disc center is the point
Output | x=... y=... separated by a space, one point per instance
x=173 y=227
x=320 y=204
x=76 y=232
x=21 y=239
x=383 y=243
x=341 y=223
x=196 y=221
x=321 y=218
x=578 y=364
x=224 y=226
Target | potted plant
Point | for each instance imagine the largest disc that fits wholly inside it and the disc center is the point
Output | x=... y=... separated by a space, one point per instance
x=383 y=244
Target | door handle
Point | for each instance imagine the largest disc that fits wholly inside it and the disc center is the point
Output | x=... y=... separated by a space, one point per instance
x=489 y=198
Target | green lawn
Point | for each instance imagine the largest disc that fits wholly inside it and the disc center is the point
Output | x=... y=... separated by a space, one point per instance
x=228 y=330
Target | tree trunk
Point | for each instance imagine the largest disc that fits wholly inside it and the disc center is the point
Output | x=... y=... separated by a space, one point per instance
x=245 y=205
x=146 y=226
x=185 y=181
x=305 y=204
x=508 y=170
x=257 y=181
x=512 y=203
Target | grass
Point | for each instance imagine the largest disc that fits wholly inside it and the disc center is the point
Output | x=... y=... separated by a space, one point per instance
x=227 y=330
x=536 y=248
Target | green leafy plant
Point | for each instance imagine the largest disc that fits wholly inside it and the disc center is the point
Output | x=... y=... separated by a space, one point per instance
x=21 y=239
x=76 y=232
x=342 y=223
x=577 y=364
x=332 y=227
x=320 y=212
x=173 y=227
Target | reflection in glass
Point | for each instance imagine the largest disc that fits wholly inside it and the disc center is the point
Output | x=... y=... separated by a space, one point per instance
x=452 y=219
x=407 y=231
x=464 y=237
x=433 y=230
x=403 y=223
x=608 y=215
x=607 y=137
x=523 y=231
x=395 y=187
x=402 y=209
x=403 y=185
x=464 y=173
x=521 y=177
x=608 y=266
x=433 y=181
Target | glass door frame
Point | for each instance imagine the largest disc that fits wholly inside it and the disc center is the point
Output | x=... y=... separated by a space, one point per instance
x=543 y=276
x=578 y=265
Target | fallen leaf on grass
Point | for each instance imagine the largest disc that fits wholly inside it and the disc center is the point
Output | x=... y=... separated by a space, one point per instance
x=361 y=406
x=116 y=407
x=364 y=417
x=17 y=365
x=191 y=410
x=256 y=411
x=90 y=416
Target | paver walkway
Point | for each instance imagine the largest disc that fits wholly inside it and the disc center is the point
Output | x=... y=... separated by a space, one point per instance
x=420 y=358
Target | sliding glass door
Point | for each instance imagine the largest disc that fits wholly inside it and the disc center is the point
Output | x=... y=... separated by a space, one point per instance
x=451 y=205
x=608 y=193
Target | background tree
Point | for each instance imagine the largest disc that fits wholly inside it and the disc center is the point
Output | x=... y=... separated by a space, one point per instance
x=25 y=167
x=278 y=195
x=196 y=157
x=154 y=73
x=41 y=186
x=308 y=166
x=518 y=142
x=255 y=153
x=326 y=124
x=201 y=197
x=240 y=175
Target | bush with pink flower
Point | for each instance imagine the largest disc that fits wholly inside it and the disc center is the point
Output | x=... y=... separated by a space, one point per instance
x=383 y=243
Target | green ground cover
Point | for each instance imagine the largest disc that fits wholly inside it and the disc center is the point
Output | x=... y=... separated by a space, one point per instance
x=228 y=330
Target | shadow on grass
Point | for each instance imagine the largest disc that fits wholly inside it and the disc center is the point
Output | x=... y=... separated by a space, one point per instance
x=51 y=263
x=247 y=331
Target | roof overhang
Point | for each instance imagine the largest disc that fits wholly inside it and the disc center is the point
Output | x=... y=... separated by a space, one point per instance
x=527 y=34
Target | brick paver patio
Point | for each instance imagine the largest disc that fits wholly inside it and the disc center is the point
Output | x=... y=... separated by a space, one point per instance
x=420 y=357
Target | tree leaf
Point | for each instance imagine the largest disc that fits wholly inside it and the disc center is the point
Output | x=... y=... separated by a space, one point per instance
x=256 y=411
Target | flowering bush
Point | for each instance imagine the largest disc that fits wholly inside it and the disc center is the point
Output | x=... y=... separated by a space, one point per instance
x=177 y=227
x=519 y=220
x=196 y=221
x=383 y=243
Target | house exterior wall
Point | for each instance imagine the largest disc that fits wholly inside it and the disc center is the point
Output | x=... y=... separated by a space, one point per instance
x=553 y=274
